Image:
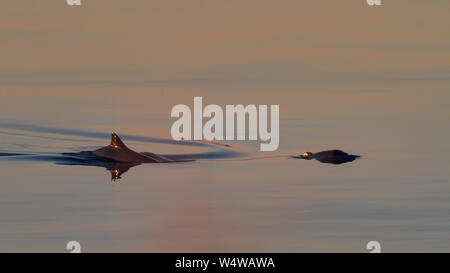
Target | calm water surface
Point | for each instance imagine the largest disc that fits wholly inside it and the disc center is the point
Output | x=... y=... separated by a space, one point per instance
x=396 y=194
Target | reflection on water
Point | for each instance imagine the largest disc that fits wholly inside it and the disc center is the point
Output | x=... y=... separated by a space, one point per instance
x=117 y=169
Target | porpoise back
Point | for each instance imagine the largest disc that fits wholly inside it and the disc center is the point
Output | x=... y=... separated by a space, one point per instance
x=117 y=151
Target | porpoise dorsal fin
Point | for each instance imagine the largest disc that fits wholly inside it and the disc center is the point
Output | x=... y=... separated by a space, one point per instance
x=116 y=142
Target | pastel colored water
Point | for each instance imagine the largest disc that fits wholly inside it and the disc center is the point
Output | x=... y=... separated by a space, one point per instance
x=369 y=81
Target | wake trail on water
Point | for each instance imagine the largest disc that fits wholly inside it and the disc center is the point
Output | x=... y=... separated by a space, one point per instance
x=217 y=150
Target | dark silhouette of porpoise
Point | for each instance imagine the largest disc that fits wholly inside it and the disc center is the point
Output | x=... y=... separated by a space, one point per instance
x=117 y=158
x=123 y=158
x=330 y=156
x=117 y=151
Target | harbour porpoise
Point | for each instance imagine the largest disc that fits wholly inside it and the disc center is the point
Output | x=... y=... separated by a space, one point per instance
x=117 y=158
x=330 y=156
x=117 y=151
